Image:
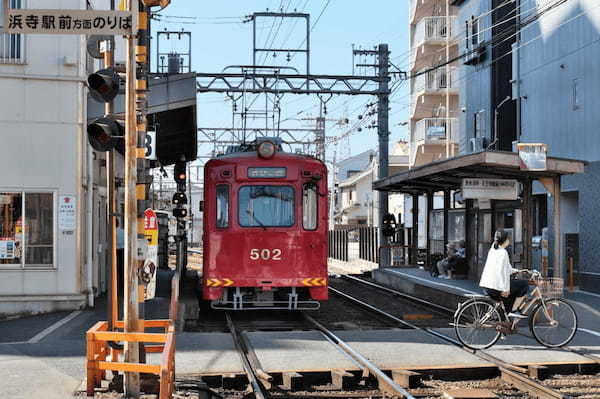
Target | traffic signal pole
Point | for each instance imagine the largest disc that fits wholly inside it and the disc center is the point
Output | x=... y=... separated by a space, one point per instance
x=131 y=312
x=112 y=204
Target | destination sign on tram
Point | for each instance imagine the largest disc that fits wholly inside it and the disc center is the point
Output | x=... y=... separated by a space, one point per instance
x=268 y=173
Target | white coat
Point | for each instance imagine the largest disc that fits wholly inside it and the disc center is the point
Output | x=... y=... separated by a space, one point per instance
x=497 y=270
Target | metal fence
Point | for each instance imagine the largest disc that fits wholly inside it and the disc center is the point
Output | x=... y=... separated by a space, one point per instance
x=338 y=244
x=368 y=238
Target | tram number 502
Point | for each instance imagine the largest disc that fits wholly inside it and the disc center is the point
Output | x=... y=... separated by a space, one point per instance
x=265 y=254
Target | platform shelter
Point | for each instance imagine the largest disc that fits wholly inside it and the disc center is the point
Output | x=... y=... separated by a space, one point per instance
x=479 y=218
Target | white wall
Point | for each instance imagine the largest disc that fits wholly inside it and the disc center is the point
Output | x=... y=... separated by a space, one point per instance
x=41 y=124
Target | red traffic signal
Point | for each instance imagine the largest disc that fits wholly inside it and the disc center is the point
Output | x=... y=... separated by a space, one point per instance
x=104 y=85
x=104 y=133
x=180 y=172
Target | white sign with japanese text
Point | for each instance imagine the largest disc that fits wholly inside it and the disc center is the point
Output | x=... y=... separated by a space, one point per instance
x=497 y=189
x=67 y=213
x=74 y=22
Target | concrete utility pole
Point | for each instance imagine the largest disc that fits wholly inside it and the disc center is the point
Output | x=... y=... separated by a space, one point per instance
x=131 y=309
x=448 y=80
x=111 y=199
x=383 y=133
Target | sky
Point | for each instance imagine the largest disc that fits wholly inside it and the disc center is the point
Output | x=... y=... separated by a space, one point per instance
x=221 y=39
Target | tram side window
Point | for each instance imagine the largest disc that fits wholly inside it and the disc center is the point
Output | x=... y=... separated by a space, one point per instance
x=222 y=206
x=309 y=207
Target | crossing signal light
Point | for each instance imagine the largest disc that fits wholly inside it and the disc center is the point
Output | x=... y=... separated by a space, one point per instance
x=104 y=85
x=104 y=133
x=180 y=213
x=180 y=199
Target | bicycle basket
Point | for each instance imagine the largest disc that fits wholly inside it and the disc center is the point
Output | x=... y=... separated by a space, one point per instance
x=551 y=286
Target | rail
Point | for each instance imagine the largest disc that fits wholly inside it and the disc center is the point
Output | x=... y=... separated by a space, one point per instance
x=250 y=371
x=385 y=383
x=510 y=373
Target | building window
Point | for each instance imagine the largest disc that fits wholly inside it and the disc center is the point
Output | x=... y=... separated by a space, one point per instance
x=472 y=32
x=479 y=124
x=26 y=229
x=222 y=206
x=309 y=206
x=11 y=45
x=576 y=95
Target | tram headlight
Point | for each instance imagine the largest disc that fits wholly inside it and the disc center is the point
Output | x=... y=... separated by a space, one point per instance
x=266 y=149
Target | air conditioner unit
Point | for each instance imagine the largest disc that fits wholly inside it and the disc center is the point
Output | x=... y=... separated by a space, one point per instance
x=477 y=144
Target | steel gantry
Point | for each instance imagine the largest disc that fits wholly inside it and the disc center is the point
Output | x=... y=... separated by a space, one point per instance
x=275 y=83
x=251 y=81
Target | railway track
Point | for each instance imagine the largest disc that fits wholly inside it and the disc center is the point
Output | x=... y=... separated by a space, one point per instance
x=261 y=382
x=561 y=387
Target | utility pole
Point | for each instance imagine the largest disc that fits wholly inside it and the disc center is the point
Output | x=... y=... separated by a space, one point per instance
x=383 y=133
x=320 y=136
x=111 y=199
x=131 y=309
x=448 y=80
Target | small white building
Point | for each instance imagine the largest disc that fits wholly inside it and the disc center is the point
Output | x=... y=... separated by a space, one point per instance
x=357 y=203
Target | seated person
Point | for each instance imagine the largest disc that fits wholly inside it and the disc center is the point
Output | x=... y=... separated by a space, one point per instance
x=456 y=254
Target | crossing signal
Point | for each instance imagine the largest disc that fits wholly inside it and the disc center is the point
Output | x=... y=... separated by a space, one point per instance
x=104 y=133
x=104 y=85
x=179 y=199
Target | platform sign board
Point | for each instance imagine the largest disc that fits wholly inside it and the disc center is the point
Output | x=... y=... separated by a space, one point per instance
x=151 y=233
x=497 y=189
x=532 y=156
x=71 y=22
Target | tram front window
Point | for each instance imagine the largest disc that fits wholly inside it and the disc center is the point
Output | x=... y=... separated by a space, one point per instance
x=266 y=206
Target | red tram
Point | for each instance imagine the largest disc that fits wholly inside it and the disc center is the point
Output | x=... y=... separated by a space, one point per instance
x=265 y=229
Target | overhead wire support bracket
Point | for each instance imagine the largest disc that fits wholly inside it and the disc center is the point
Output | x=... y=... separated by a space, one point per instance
x=289 y=84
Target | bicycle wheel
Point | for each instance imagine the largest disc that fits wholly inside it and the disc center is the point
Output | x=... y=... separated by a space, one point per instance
x=476 y=324
x=553 y=322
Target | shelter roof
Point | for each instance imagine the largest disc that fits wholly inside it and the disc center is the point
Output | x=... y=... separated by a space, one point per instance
x=448 y=173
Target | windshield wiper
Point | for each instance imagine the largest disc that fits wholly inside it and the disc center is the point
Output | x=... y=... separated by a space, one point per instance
x=261 y=224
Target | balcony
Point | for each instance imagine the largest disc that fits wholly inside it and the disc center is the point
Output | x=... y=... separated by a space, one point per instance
x=432 y=30
x=429 y=138
x=427 y=89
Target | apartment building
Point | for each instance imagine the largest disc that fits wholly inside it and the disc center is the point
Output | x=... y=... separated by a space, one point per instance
x=527 y=76
x=434 y=91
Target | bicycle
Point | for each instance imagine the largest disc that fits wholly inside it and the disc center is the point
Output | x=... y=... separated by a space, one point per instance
x=481 y=321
